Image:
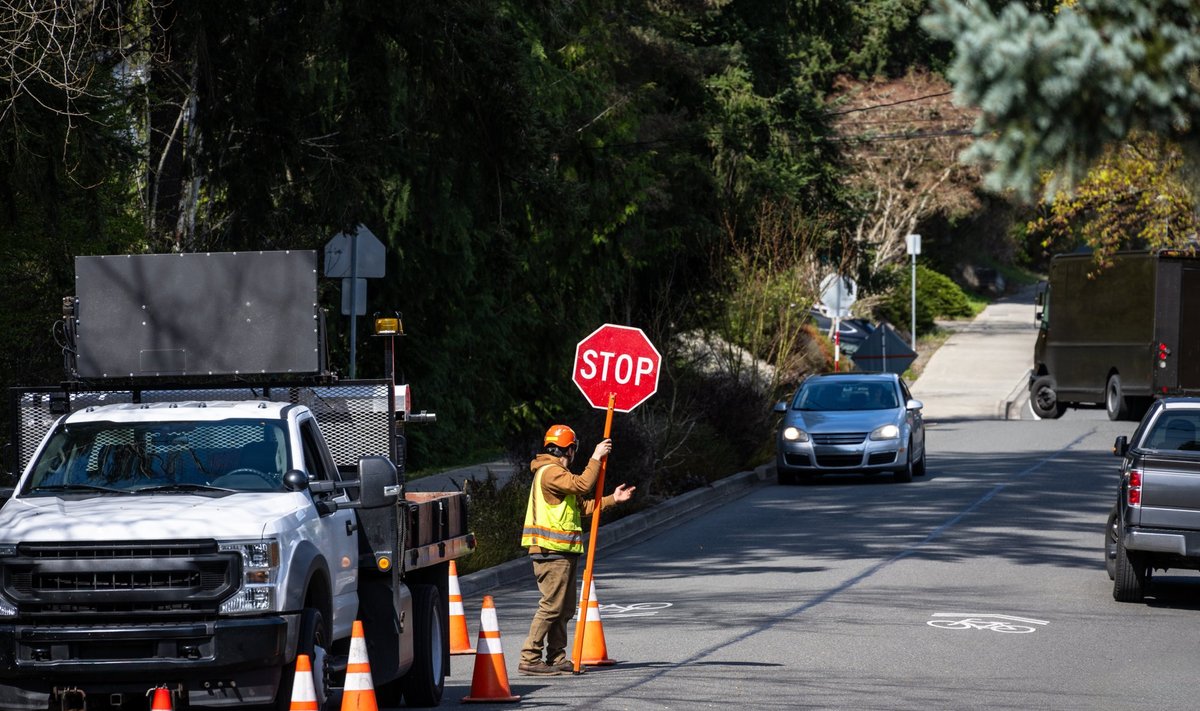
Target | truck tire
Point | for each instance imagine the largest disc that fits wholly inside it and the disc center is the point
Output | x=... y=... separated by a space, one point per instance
x=426 y=680
x=1115 y=401
x=1044 y=400
x=1131 y=579
x=314 y=640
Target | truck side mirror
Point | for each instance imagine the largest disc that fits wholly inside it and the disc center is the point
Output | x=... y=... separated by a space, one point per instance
x=378 y=482
x=1120 y=446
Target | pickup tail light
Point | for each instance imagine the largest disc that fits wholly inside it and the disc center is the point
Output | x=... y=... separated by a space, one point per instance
x=1134 y=495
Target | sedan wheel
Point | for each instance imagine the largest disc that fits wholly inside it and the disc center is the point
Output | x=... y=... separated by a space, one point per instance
x=905 y=475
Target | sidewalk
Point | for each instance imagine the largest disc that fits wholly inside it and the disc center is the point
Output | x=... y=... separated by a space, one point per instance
x=981 y=372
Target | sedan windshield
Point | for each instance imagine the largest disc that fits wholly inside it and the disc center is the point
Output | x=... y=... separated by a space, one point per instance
x=105 y=458
x=846 y=395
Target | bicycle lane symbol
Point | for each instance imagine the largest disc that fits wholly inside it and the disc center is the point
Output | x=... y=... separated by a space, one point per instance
x=989 y=622
x=637 y=609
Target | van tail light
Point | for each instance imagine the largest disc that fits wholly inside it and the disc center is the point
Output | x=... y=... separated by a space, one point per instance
x=1135 y=488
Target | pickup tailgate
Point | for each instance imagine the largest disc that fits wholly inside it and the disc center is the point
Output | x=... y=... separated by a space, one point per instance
x=1170 y=491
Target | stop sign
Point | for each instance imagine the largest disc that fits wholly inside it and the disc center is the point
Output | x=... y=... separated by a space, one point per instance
x=618 y=360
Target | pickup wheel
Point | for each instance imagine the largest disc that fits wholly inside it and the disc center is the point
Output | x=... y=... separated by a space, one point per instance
x=1131 y=578
x=1044 y=400
x=426 y=680
x=1115 y=401
x=314 y=641
x=1110 y=544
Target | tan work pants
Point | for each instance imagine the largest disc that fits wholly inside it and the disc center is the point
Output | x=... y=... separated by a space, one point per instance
x=555 y=577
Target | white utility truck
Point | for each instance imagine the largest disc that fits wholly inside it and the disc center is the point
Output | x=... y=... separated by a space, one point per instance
x=202 y=500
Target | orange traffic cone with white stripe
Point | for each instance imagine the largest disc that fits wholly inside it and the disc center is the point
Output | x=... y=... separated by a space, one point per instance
x=161 y=700
x=304 y=692
x=595 y=652
x=460 y=639
x=359 y=692
x=489 y=683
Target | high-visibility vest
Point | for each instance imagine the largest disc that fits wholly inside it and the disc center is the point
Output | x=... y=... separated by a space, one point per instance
x=557 y=527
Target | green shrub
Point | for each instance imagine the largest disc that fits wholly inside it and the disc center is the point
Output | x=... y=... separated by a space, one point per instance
x=937 y=297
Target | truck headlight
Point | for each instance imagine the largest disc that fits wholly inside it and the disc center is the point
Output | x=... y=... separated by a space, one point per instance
x=885 y=432
x=260 y=576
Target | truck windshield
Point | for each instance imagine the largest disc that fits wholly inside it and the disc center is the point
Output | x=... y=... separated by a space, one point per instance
x=100 y=458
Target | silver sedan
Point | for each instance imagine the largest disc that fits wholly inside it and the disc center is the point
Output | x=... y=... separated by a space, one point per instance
x=850 y=422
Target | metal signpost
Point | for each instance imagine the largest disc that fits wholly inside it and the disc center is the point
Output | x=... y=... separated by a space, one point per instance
x=613 y=364
x=838 y=293
x=913 y=245
x=354 y=257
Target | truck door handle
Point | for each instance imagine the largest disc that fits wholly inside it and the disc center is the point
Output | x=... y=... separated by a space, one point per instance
x=351 y=527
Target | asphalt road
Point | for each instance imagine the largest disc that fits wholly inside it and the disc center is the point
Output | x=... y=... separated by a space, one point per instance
x=823 y=596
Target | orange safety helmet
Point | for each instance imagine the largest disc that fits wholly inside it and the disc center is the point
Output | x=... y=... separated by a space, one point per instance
x=560 y=436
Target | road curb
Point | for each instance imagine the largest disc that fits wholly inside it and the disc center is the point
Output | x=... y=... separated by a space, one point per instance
x=1011 y=406
x=639 y=525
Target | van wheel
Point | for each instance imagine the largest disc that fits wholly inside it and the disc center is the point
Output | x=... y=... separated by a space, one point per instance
x=1044 y=400
x=426 y=680
x=1132 y=577
x=1114 y=401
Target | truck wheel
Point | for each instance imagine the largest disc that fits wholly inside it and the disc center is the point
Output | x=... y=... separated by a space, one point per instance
x=424 y=683
x=1114 y=401
x=1044 y=400
x=1110 y=544
x=1132 y=576
x=314 y=641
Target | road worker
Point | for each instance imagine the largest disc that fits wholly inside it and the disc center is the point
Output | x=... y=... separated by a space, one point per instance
x=553 y=534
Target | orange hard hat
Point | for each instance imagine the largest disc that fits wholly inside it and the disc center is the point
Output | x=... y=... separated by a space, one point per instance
x=560 y=435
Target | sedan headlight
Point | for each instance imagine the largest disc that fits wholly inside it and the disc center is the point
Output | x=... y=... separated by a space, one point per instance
x=795 y=434
x=886 y=432
x=260 y=577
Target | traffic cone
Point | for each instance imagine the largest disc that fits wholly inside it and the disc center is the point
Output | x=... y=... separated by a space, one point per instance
x=460 y=639
x=359 y=692
x=489 y=683
x=595 y=652
x=162 y=700
x=304 y=692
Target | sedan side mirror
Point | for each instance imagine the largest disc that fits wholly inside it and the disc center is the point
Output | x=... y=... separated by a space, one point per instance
x=1120 y=446
x=780 y=406
x=914 y=405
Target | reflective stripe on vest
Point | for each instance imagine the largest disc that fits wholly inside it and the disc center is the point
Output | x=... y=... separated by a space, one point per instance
x=557 y=527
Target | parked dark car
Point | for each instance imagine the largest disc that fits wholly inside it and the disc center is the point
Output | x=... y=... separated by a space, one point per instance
x=850 y=422
x=852 y=332
x=1155 y=524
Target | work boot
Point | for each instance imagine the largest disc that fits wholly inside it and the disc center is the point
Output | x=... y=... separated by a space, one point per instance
x=538 y=668
x=565 y=665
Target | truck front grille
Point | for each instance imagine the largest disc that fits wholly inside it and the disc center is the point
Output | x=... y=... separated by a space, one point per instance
x=122 y=578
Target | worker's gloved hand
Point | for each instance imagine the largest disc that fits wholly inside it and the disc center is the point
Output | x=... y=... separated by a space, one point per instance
x=602 y=449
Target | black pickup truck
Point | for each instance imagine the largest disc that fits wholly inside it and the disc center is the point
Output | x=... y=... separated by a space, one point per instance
x=1155 y=524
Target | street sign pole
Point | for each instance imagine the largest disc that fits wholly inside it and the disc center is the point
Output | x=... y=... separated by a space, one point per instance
x=913 y=244
x=353 y=301
x=581 y=624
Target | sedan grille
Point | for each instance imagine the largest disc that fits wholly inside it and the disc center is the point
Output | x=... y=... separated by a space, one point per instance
x=839 y=460
x=840 y=438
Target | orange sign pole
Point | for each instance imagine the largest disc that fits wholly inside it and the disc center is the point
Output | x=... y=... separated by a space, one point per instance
x=580 y=625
